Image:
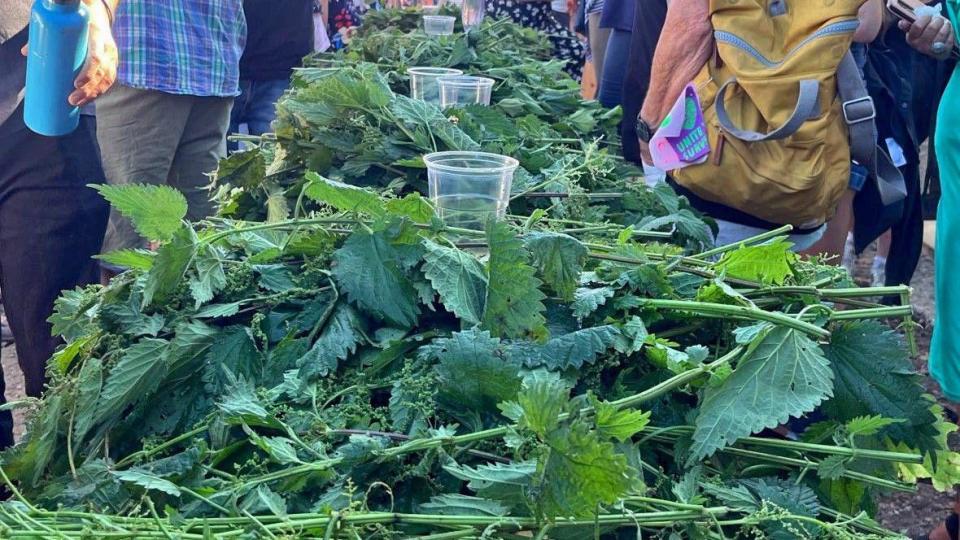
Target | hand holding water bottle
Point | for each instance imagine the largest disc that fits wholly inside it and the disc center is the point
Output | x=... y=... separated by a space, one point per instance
x=99 y=71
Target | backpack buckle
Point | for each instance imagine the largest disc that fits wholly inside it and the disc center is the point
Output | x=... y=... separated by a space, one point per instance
x=859 y=110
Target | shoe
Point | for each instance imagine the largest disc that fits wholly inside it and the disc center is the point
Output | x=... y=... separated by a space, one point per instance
x=849 y=260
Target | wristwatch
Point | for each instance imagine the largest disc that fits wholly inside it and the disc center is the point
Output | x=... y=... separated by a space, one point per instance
x=644 y=131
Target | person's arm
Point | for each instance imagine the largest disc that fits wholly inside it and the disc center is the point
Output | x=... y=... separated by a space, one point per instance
x=871 y=20
x=100 y=70
x=932 y=36
x=685 y=45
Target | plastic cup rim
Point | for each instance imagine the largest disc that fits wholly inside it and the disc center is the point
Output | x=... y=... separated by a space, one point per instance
x=437 y=71
x=439 y=18
x=509 y=163
x=465 y=81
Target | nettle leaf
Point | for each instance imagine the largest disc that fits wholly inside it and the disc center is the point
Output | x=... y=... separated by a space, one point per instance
x=619 y=424
x=88 y=393
x=233 y=354
x=126 y=317
x=338 y=340
x=172 y=261
x=73 y=312
x=786 y=375
x=372 y=272
x=507 y=483
x=262 y=500
x=240 y=403
x=586 y=300
x=570 y=350
x=581 y=472
x=514 y=304
x=136 y=259
x=156 y=212
x=134 y=378
x=274 y=277
x=459 y=279
x=244 y=169
x=873 y=373
x=464 y=505
x=765 y=263
x=474 y=375
x=148 y=481
x=558 y=258
x=343 y=197
x=209 y=278
x=413 y=206
x=869 y=425
x=543 y=397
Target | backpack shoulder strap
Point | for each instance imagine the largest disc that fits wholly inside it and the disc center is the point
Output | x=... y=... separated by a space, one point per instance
x=859 y=114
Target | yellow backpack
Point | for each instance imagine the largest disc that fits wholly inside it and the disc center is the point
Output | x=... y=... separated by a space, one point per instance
x=779 y=99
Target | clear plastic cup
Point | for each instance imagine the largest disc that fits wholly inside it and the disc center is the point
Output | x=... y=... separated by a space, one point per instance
x=464 y=90
x=431 y=10
x=469 y=188
x=438 y=25
x=423 y=82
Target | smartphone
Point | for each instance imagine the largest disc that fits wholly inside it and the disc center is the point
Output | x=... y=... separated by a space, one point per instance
x=905 y=9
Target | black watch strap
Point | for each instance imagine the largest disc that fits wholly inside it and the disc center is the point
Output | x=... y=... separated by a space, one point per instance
x=644 y=131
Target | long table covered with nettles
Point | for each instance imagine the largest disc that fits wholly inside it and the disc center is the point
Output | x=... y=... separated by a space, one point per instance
x=327 y=359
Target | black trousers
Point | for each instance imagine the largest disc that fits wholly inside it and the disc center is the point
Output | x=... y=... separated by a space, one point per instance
x=51 y=225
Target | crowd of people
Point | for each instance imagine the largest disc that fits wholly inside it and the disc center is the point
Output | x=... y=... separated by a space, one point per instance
x=166 y=82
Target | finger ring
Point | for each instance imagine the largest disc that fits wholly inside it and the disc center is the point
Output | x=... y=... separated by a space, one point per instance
x=938 y=47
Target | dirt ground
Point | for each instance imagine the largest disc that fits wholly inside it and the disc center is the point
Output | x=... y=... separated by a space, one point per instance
x=910 y=513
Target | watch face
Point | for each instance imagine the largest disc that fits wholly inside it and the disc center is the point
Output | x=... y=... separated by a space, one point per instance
x=643 y=130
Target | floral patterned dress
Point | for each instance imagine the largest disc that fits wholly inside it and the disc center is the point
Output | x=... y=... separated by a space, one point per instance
x=539 y=16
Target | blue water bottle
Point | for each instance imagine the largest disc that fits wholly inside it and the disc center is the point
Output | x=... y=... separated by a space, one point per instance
x=58 y=49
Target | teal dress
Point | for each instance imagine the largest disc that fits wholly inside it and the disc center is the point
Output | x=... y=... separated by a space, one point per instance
x=945 y=349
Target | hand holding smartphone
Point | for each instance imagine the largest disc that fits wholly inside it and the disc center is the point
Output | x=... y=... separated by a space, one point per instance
x=906 y=10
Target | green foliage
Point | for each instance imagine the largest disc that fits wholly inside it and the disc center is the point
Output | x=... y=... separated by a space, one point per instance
x=156 y=212
x=785 y=375
x=459 y=279
x=770 y=263
x=514 y=302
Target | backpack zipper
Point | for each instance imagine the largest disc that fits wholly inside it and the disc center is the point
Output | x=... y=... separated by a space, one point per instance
x=842 y=27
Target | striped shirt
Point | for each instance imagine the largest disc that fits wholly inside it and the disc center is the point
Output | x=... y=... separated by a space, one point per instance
x=189 y=47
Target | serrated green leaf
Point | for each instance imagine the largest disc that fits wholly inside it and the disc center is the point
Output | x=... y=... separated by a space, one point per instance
x=63 y=358
x=127 y=318
x=73 y=313
x=156 y=212
x=787 y=375
x=507 y=483
x=88 y=393
x=473 y=374
x=463 y=505
x=209 y=278
x=241 y=403
x=765 y=263
x=619 y=424
x=869 y=425
x=539 y=403
x=244 y=169
x=172 y=261
x=558 y=258
x=832 y=467
x=233 y=354
x=262 y=500
x=873 y=375
x=459 y=279
x=137 y=259
x=274 y=277
x=586 y=301
x=343 y=197
x=372 y=272
x=338 y=339
x=148 y=481
x=412 y=206
x=217 y=311
x=581 y=472
x=134 y=378
x=571 y=350
x=514 y=303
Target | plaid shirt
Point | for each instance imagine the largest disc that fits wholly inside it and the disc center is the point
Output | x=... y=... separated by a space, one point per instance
x=190 y=47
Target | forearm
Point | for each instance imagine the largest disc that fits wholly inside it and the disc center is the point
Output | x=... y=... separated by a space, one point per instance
x=101 y=12
x=685 y=45
x=871 y=20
